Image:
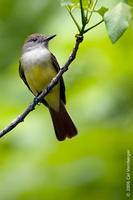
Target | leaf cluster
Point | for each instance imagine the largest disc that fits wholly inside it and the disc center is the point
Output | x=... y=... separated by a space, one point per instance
x=117 y=20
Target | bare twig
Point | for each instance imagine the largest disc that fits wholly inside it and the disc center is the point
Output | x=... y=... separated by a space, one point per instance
x=51 y=85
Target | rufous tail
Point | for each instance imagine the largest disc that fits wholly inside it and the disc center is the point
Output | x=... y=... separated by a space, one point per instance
x=63 y=124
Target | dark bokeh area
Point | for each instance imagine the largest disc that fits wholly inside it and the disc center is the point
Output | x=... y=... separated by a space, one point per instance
x=99 y=90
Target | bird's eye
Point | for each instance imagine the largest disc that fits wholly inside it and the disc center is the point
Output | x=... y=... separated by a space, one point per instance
x=33 y=40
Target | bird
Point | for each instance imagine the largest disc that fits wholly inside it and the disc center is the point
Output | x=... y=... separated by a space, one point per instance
x=37 y=67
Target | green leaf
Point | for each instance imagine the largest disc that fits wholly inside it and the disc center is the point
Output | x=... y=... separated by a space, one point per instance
x=117 y=20
x=102 y=11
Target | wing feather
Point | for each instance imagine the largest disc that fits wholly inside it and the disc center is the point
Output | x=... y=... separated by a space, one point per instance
x=21 y=73
x=62 y=86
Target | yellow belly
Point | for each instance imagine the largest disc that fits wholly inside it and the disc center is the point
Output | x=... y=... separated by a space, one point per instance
x=38 y=77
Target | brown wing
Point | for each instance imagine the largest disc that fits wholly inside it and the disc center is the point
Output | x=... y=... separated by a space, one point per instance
x=62 y=86
x=21 y=73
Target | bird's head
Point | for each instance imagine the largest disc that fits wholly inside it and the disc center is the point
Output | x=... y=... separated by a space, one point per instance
x=36 y=41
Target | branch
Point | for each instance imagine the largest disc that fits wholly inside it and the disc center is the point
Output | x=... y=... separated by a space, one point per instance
x=50 y=86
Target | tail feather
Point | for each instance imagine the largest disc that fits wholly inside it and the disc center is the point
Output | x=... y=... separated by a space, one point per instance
x=63 y=124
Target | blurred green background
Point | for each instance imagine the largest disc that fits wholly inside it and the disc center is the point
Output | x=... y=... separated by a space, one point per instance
x=99 y=90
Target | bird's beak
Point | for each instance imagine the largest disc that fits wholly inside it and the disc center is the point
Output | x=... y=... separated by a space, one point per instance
x=47 y=38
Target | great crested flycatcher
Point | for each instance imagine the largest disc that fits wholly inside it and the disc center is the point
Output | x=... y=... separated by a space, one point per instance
x=38 y=66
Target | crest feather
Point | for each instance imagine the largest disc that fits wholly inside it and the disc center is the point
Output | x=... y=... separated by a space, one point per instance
x=35 y=35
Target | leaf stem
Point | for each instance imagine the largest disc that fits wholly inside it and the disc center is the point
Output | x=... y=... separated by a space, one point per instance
x=84 y=17
x=87 y=10
x=76 y=23
x=93 y=7
x=82 y=13
x=94 y=26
